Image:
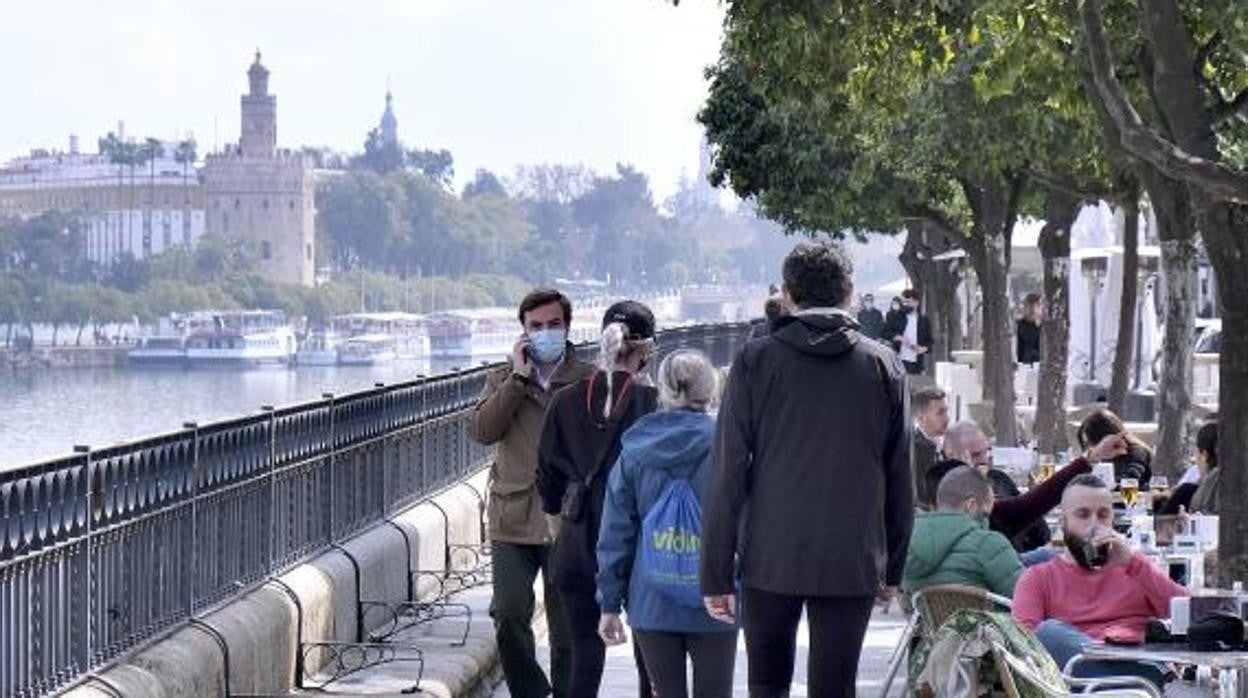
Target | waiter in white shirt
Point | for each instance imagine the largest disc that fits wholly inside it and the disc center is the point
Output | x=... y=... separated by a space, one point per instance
x=911 y=333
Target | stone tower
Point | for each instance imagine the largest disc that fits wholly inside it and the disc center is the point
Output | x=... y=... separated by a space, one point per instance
x=389 y=124
x=261 y=195
x=259 y=110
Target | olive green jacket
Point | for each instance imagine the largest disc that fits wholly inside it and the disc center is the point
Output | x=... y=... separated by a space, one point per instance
x=510 y=413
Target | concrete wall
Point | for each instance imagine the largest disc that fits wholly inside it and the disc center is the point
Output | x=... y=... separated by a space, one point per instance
x=260 y=629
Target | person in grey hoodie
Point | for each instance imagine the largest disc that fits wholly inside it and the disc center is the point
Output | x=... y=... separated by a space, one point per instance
x=813 y=449
x=657 y=450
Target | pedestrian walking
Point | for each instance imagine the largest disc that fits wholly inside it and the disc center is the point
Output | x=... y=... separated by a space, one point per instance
x=648 y=545
x=510 y=414
x=812 y=483
x=580 y=442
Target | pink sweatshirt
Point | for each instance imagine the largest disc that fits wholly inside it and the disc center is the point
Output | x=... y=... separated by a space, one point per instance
x=1114 y=602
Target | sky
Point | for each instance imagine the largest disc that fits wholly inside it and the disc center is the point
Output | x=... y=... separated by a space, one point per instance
x=497 y=82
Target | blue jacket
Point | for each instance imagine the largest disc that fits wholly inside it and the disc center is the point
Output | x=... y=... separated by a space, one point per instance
x=658 y=447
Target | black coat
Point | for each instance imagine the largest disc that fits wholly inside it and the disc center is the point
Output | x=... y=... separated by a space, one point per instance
x=871 y=322
x=813 y=448
x=897 y=327
x=924 y=455
x=1027 y=344
x=1137 y=462
x=572 y=441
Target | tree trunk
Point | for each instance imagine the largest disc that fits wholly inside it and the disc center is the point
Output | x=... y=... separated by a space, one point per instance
x=1225 y=230
x=78 y=339
x=992 y=207
x=8 y=335
x=56 y=328
x=1182 y=102
x=1124 y=347
x=1175 y=230
x=1050 y=427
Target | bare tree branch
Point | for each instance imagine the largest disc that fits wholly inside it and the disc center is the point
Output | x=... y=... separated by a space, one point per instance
x=1079 y=190
x=927 y=212
x=1219 y=181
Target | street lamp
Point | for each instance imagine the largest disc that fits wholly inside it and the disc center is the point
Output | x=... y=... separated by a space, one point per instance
x=1094 y=270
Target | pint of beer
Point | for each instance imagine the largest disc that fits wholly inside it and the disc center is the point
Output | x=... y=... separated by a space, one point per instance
x=1130 y=489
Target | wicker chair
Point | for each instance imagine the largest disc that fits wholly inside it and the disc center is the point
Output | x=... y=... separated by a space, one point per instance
x=932 y=607
x=1016 y=673
x=936 y=603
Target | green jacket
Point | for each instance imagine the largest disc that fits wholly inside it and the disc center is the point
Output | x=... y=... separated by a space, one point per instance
x=953 y=548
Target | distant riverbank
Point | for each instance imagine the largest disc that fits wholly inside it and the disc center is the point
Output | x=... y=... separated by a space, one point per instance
x=44 y=357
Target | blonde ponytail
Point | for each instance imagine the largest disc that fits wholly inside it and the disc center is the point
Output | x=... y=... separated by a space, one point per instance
x=609 y=348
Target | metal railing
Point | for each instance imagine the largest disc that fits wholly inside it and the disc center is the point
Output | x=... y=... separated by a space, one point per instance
x=105 y=550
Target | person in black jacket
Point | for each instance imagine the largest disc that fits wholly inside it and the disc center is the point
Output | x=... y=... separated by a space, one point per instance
x=812 y=448
x=1135 y=463
x=1027 y=330
x=870 y=319
x=773 y=310
x=910 y=333
x=930 y=408
x=579 y=445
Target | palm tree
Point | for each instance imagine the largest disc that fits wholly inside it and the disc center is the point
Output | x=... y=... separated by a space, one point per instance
x=185 y=155
x=148 y=152
x=113 y=148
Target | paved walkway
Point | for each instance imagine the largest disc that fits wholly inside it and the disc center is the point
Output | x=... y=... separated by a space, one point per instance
x=620 y=677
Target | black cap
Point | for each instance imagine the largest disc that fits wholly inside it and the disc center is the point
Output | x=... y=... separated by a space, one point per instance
x=633 y=315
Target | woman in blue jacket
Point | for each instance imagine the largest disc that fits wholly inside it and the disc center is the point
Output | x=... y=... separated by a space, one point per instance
x=657 y=450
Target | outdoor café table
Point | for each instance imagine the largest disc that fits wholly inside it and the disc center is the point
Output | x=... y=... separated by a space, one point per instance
x=1231 y=667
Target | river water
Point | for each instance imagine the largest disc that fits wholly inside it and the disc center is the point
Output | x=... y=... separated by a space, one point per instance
x=43 y=414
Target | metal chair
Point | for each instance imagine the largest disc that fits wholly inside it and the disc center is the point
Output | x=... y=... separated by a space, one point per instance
x=932 y=607
x=1015 y=673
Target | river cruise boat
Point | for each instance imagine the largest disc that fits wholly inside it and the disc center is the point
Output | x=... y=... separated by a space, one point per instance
x=240 y=338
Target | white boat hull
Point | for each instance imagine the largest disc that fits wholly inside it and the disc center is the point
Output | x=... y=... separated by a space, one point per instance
x=317 y=358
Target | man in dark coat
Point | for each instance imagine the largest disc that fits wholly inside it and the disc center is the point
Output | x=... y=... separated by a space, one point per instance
x=870 y=319
x=911 y=333
x=813 y=450
x=931 y=418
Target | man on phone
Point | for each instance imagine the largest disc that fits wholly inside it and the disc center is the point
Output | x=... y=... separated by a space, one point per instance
x=1098 y=590
x=510 y=413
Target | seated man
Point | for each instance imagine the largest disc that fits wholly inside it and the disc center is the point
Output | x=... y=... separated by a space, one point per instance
x=953 y=545
x=1097 y=591
x=931 y=416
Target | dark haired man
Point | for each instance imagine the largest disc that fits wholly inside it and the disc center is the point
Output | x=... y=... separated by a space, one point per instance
x=1098 y=590
x=511 y=412
x=870 y=319
x=1027 y=330
x=931 y=419
x=825 y=529
x=911 y=333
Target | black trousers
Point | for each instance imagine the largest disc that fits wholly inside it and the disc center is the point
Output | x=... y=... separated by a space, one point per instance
x=582 y=613
x=837 y=627
x=516 y=567
x=713 y=655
